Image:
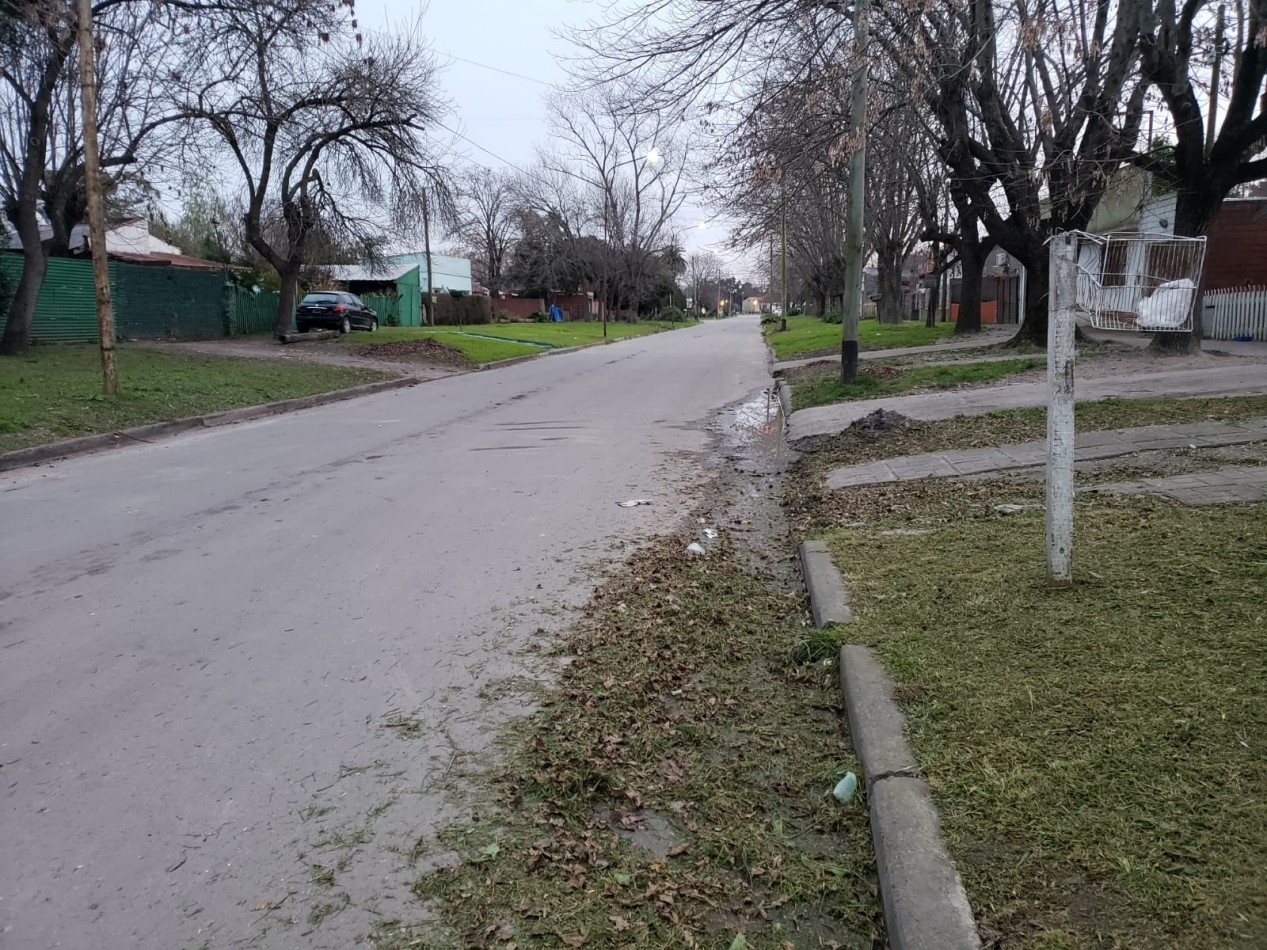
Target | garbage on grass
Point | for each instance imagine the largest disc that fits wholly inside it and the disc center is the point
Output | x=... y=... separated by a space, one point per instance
x=634 y=502
x=695 y=548
x=710 y=533
x=1009 y=509
x=845 y=788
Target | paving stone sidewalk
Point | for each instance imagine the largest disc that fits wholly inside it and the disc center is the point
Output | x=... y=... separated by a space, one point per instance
x=1221 y=486
x=1087 y=446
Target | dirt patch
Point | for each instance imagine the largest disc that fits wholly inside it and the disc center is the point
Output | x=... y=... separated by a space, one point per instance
x=426 y=350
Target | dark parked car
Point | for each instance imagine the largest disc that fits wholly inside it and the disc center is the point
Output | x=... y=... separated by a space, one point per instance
x=334 y=310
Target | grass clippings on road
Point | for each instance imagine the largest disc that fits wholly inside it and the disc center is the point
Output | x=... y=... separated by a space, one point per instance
x=875 y=382
x=673 y=788
x=476 y=349
x=54 y=392
x=806 y=334
x=422 y=349
x=1096 y=752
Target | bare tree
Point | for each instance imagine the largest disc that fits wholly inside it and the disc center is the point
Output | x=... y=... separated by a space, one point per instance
x=892 y=212
x=632 y=169
x=487 y=223
x=41 y=142
x=326 y=128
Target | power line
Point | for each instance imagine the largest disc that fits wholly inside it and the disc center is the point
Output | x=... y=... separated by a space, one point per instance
x=498 y=69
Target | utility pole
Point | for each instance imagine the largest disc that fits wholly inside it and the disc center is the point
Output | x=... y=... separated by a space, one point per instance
x=1215 y=69
x=96 y=199
x=852 y=308
x=606 y=259
x=426 y=247
x=1061 y=325
x=783 y=258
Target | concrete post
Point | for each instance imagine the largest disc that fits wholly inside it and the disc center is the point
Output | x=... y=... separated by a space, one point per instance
x=1061 y=323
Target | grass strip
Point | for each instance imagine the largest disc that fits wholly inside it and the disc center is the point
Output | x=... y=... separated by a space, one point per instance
x=1095 y=753
x=806 y=334
x=875 y=382
x=54 y=392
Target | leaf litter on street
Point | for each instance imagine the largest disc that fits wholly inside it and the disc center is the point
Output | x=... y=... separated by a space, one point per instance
x=673 y=788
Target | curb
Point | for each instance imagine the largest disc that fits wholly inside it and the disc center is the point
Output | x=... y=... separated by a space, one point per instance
x=785 y=399
x=829 y=601
x=159 y=430
x=925 y=906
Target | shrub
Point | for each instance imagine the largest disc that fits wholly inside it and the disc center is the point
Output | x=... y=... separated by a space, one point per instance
x=539 y=317
x=392 y=320
x=833 y=316
x=672 y=314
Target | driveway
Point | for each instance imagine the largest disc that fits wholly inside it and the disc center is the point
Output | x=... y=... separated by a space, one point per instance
x=237 y=668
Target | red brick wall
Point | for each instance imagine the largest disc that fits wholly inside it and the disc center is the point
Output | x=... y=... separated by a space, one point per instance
x=519 y=306
x=1236 y=252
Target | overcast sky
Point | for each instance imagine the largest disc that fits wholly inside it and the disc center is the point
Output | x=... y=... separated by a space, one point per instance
x=502 y=117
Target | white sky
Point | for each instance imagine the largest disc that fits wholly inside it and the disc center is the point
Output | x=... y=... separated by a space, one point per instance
x=504 y=116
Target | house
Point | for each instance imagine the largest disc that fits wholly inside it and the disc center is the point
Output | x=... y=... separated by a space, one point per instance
x=128 y=239
x=452 y=274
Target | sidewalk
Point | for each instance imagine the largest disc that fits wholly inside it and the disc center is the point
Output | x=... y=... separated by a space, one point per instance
x=1088 y=446
x=1244 y=380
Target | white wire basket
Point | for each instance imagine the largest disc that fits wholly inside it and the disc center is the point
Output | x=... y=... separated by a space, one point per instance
x=1139 y=281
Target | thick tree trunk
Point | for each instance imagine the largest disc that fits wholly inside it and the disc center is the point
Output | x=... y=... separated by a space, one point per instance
x=1034 y=319
x=1194 y=212
x=286 y=293
x=17 y=330
x=971 y=260
x=890 y=307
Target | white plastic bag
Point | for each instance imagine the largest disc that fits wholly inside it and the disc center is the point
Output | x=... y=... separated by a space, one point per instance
x=1168 y=307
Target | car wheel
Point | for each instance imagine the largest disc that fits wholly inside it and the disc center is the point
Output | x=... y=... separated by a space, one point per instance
x=373 y=324
x=301 y=327
x=345 y=326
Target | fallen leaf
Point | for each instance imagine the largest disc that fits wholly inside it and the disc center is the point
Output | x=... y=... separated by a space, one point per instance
x=573 y=940
x=619 y=923
x=678 y=849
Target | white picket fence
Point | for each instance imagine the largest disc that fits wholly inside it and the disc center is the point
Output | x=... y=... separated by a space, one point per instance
x=1228 y=314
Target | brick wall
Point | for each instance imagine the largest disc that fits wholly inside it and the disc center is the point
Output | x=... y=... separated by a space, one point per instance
x=1236 y=251
x=519 y=306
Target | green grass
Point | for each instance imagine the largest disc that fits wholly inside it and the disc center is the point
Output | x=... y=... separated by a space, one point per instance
x=808 y=334
x=1096 y=753
x=54 y=392
x=474 y=343
x=824 y=388
x=574 y=334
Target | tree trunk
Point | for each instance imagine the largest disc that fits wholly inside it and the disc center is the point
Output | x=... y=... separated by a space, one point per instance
x=17 y=329
x=934 y=300
x=288 y=284
x=890 y=308
x=1034 y=319
x=971 y=260
x=1194 y=212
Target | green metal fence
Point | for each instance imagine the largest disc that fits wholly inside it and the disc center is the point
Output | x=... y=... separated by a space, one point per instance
x=66 y=310
x=251 y=311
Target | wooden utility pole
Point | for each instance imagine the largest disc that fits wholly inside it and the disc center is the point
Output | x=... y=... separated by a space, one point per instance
x=426 y=247
x=96 y=199
x=783 y=257
x=852 y=304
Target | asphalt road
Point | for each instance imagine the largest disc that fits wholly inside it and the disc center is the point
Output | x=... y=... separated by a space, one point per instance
x=237 y=668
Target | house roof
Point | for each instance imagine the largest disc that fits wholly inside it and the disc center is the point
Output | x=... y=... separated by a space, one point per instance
x=174 y=260
x=382 y=274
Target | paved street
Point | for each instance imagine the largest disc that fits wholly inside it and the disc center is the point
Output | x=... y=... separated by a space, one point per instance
x=229 y=658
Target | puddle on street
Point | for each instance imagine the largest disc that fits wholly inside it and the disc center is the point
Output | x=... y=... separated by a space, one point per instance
x=753 y=434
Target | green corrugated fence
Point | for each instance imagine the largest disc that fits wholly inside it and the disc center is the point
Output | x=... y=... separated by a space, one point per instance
x=251 y=311
x=66 y=311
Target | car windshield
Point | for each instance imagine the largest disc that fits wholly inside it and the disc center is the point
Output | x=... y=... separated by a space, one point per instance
x=320 y=298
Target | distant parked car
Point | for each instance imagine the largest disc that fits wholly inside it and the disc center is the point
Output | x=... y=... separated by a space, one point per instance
x=334 y=310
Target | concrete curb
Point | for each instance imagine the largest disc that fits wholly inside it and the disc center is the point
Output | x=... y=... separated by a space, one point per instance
x=925 y=907
x=785 y=399
x=159 y=430
x=829 y=601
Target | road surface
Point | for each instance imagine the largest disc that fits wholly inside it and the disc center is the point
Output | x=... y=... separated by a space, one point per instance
x=236 y=668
